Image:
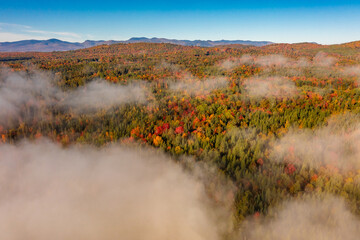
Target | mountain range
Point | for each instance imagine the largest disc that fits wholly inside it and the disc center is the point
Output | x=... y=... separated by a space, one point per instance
x=51 y=45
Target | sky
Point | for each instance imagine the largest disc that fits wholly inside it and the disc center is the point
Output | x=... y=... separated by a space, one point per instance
x=288 y=21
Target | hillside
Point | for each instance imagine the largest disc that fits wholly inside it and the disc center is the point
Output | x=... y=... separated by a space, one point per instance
x=274 y=127
x=58 y=45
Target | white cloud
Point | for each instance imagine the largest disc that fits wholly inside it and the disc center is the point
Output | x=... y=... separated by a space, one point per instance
x=9 y=37
x=65 y=34
x=50 y=192
x=309 y=218
x=17 y=32
x=13 y=25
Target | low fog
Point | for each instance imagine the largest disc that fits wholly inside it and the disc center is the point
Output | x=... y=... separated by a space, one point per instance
x=189 y=84
x=306 y=219
x=324 y=60
x=24 y=97
x=100 y=94
x=321 y=59
x=260 y=87
x=353 y=71
x=335 y=145
x=48 y=192
x=194 y=86
x=117 y=192
x=272 y=61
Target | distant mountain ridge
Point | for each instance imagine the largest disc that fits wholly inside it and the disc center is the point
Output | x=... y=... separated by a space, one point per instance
x=51 y=45
x=199 y=43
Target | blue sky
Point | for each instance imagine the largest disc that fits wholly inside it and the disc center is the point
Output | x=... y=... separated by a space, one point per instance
x=279 y=21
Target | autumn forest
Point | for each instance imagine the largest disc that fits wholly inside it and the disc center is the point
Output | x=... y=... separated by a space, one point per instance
x=254 y=142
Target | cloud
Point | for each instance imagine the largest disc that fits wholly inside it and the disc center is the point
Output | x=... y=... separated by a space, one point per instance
x=169 y=66
x=9 y=36
x=353 y=71
x=16 y=32
x=63 y=34
x=110 y=193
x=247 y=59
x=118 y=192
x=260 y=87
x=278 y=61
x=195 y=87
x=324 y=60
x=14 y=26
x=231 y=63
x=25 y=97
x=336 y=145
x=272 y=61
x=307 y=219
x=100 y=94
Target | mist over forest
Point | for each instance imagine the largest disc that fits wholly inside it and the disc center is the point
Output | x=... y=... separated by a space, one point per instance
x=163 y=141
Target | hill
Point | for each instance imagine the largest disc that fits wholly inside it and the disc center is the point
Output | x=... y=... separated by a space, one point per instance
x=51 y=45
x=280 y=122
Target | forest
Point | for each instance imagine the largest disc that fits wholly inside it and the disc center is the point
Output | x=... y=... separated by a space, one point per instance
x=274 y=126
